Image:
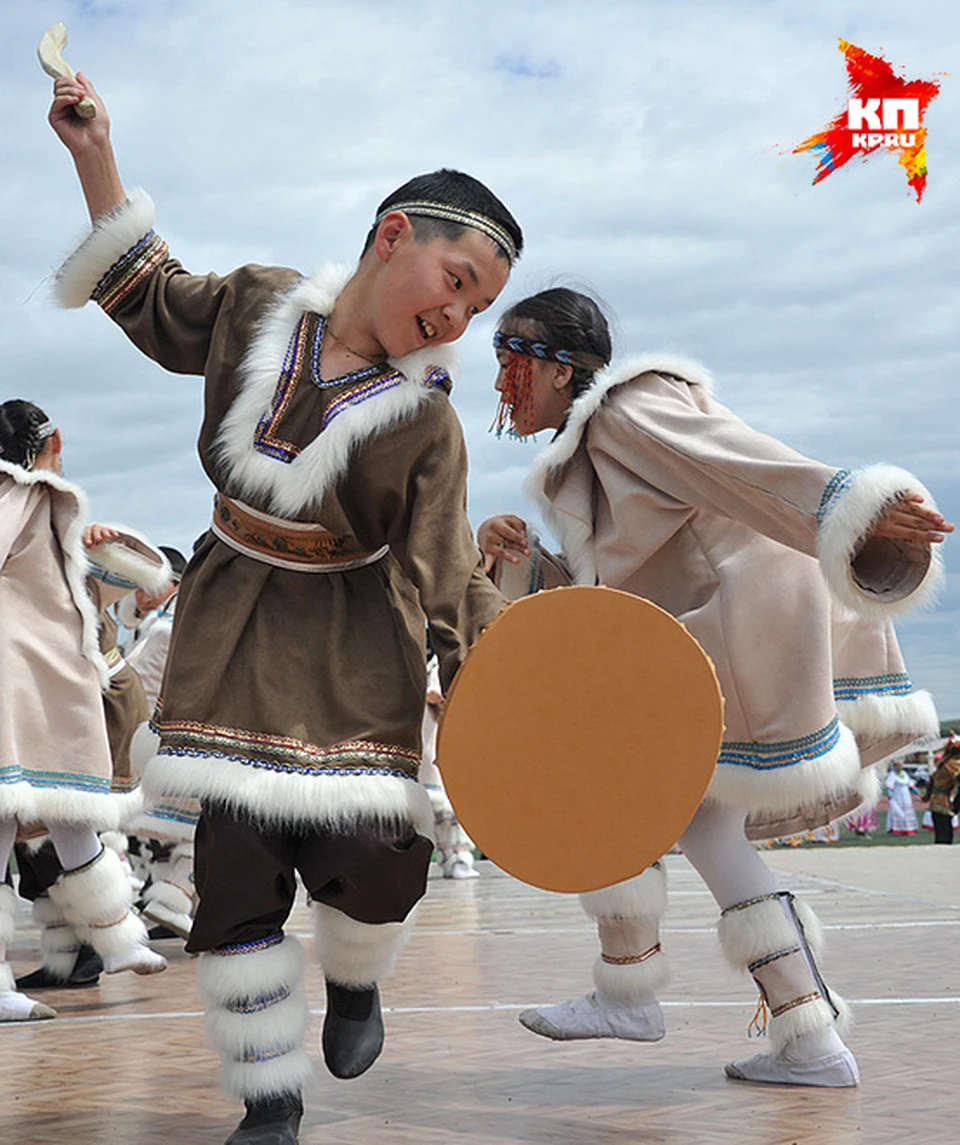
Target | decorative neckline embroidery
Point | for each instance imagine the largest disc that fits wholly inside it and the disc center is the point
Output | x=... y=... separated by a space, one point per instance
x=343 y=379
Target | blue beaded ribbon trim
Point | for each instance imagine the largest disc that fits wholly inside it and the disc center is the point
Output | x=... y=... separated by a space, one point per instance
x=255 y=947
x=782 y=753
x=848 y=688
x=840 y=481
x=258 y=1005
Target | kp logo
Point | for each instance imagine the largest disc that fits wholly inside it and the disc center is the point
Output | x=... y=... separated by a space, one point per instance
x=883 y=111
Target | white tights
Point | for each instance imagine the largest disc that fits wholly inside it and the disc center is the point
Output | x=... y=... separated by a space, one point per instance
x=718 y=849
x=75 y=846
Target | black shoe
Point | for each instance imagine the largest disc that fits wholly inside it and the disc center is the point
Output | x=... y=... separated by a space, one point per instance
x=85 y=972
x=270 y=1121
x=158 y=933
x=352 y=1030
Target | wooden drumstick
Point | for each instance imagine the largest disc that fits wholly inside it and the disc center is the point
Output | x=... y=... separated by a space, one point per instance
x=52 y=61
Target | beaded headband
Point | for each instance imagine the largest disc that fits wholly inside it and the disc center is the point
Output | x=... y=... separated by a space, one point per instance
x=518 y=345
x=493 y=230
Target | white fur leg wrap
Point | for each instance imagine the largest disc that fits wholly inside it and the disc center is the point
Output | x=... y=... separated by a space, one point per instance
x=95 y=901
x=7 y=979
x=8 y=914
x=761 y=937
x=58 y=941
x=256 y=1016
x=633 y=982
x=642 y=897
x=358 y=954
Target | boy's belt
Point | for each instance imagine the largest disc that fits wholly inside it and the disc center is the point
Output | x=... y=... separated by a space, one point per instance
x=286 y=544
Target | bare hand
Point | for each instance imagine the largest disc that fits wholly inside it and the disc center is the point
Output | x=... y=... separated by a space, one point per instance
x=94 y=535
x=908 y=519
x=78 y=135
x=503 y=537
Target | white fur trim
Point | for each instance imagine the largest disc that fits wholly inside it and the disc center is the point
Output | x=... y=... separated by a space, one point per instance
x=782 y=790
x=115 y=840
x=143 y=747
x=58 y=948
x=280 y=1026
x=111 y=237
x=17 y=801
x=76 y=808
x=905 y=584
x=46 y=912
x=358 y=954
x=8 y=914
x=289 y=489
x=75 y=563
x=575 y=535
x=630 y=985
x=224 y=978
x=256 y=1080
x=642 y=897
x=7 y=981
x=755 y=931
x=876 y=717
x=330 y=800
x=133 y=558
x=97 y=894
x=811 y=1018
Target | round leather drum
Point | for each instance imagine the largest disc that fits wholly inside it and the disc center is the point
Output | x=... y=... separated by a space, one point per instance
x=579 y=737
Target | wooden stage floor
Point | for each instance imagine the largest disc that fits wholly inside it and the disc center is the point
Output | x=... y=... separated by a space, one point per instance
x=127 y=1063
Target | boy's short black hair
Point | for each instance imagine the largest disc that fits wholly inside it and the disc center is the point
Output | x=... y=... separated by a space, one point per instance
x=450 y=189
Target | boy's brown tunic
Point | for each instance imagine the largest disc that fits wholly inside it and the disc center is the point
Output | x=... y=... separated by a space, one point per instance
x=295 y=693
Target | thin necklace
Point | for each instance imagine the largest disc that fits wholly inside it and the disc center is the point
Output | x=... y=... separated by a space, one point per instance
x=356 y=353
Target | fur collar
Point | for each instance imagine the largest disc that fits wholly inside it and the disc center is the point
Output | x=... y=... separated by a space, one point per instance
x=290 y=489
x=571 y=518
x=70 y=514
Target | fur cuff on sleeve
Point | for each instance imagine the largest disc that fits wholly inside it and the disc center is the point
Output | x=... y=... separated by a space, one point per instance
x=128 y=563
x=881 y=576
x=112 y=236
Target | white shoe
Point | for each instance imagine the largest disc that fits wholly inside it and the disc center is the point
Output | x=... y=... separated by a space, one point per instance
x=835 y=1071
x=158 y=912
x=17 y=1007
x=593 y=1017
x=139 y=959
x=460 y=870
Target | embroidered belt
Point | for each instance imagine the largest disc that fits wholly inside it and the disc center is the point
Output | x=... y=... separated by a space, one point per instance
x=286 y=544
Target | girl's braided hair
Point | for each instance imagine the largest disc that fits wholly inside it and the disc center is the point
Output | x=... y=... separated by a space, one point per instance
x=20 y=437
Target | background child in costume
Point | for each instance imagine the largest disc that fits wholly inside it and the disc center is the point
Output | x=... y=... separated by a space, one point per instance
x=293 y=695
x=943 y=788
x=56 y=768
x=655 y=488
x=900 y=787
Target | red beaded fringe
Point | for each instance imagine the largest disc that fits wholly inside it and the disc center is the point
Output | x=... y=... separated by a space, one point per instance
x=516 y=396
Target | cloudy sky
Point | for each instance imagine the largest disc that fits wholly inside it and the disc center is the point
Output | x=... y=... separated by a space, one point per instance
x=646 y=149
